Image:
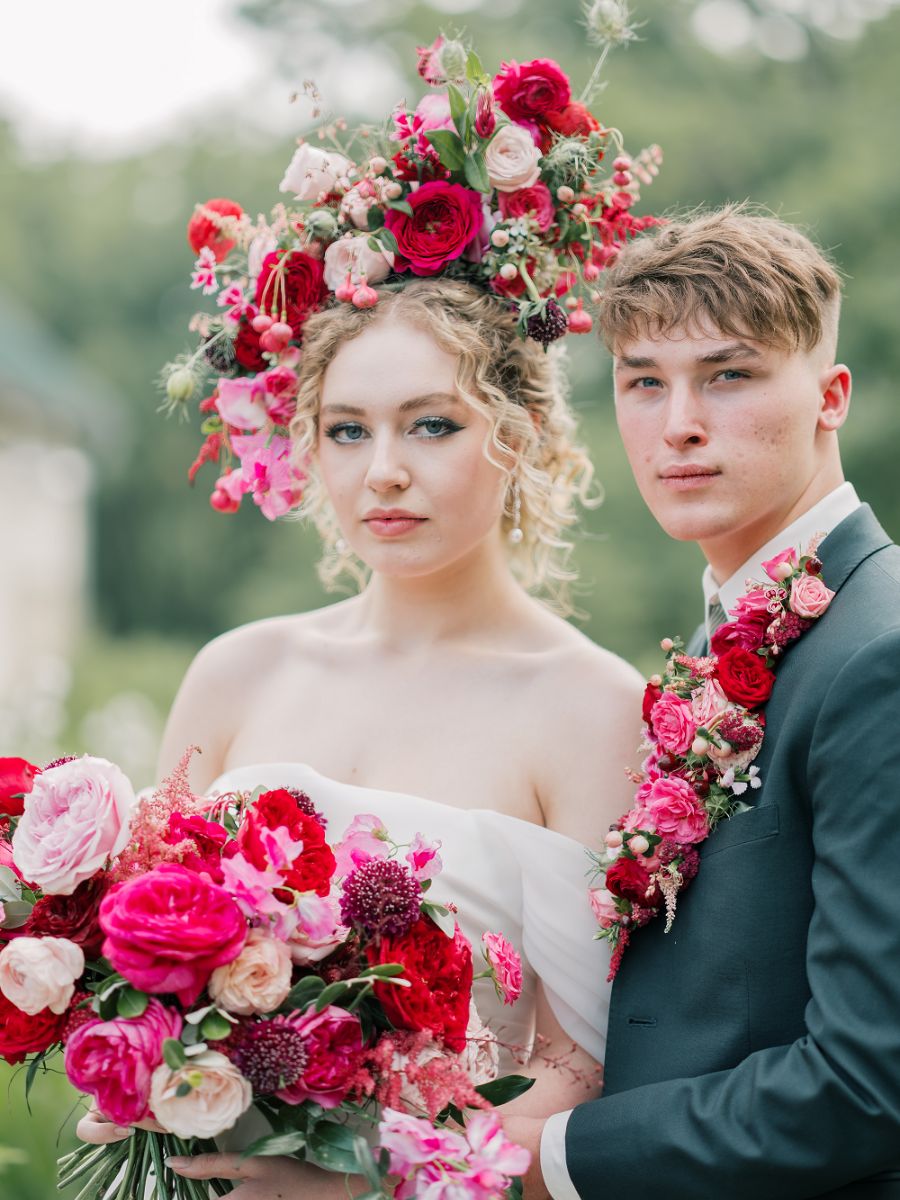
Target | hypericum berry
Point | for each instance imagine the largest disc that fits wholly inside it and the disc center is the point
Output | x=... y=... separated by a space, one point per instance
x=270 y=1054
x=381 y=897
x=545 y=327
x=814 y=566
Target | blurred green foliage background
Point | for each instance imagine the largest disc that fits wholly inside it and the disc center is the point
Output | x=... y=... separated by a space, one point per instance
x=96 y=250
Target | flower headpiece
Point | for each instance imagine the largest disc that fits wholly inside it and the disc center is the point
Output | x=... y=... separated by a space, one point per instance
x=502 y=182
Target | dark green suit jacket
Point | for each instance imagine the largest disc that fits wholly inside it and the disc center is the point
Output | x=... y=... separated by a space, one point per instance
x=754 y=1051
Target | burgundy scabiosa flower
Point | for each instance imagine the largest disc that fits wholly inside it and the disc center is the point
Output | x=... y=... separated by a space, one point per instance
x=270 y=1054
x=381 y=897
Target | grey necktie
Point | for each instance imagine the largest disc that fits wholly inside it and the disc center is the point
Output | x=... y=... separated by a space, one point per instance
x=715 y=615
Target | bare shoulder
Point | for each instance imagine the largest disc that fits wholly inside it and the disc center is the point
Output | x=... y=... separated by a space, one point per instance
x=588 y=737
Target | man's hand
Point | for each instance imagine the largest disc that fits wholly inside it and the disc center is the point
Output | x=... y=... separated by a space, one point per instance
x=526 y=1131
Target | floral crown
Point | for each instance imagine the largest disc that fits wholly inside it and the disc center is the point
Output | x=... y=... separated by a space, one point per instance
x=501 y=182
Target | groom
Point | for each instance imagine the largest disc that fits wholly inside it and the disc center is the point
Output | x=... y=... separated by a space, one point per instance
x=754 y=1051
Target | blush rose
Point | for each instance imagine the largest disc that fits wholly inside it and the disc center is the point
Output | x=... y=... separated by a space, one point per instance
x=676 y=811
x=672 y=721
x=217 y=1094
x=512 y=159
x=810 y=597
x=37 y=973
x=257 y=981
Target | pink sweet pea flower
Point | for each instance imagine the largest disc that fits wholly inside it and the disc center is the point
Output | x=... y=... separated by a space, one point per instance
x=204 y=273
x=241 y=403
x=268 y=474
x=423 y=858
x=365 y=837
x=492 y=1150
x=412 y=1142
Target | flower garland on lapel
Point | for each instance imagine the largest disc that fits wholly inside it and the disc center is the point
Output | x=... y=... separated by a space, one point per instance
x=704 y=727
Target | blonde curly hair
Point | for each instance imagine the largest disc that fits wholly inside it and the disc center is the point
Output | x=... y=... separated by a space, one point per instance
x=514 y=383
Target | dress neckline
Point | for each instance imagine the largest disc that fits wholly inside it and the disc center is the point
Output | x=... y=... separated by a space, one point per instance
x=369 y=789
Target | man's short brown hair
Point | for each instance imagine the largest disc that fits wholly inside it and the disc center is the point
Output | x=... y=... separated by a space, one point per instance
x=742 y=273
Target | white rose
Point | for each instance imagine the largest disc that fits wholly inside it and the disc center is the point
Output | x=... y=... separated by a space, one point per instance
x=312 y=171
x=39 y=973
x=258 y=980
x=512 y=159
x=218 y=1095
x=356 y=256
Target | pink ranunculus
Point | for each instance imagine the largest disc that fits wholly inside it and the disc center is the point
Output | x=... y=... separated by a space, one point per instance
x=535 y=201
x=76 y=818
x=506 y=965
x=113 y=1061
x=672 y=719
x=168 y=930
x=676 y=811
x=809 y=598
x=603 y=906
x=774 y=567
x=708 y=702
x=423 y=858
x=334 y=1047
x=40 y=972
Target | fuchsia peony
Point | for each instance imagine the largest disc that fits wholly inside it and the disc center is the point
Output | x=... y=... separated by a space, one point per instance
x=168 y=930
x=113 y=1061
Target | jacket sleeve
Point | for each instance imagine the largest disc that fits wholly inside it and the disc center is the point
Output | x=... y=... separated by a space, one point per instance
x=797 y=1120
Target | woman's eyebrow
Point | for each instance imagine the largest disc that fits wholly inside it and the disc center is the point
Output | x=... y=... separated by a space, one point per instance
x=352 y=410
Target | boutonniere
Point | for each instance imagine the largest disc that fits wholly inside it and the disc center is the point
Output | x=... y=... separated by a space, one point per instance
x=704 y=727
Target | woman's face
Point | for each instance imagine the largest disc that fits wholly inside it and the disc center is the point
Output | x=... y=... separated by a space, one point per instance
x=402 y=456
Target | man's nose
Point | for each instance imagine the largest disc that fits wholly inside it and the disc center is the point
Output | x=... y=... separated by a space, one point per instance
x=686 y=418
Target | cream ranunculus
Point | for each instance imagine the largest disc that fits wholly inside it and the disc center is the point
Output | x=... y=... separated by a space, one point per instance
x=218 y=1095
x=39 y=973
x=356 y=256
x=512 y=159
x=312 y=171
x=257 y=981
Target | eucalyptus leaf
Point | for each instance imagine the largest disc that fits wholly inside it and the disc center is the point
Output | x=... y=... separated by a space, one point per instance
x=173 y=1053
x=16 y=913
x=332 y=1146
x=506 y=1088
x=303 y=993
x=449 y=146
x=214 y=1027
x=131 y=1003
x=334 y=992
x=476 y=172
x=275 y=1143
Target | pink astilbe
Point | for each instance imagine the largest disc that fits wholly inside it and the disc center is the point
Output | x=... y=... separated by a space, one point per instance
x=150 y=832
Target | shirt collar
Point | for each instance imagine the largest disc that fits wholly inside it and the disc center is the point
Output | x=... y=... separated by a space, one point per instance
x=821 y=518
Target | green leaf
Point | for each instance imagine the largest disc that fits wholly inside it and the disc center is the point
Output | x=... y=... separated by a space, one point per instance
x=382 y=971
x=332 y=1146
x=31 y=1074
x=375 y=217
x=335 y=991
x=387 y=241
x=506 y=1088
x=448 y=144
x=458 y=108
x=183 y=1089
x=275 y=1143
x=403 y=206
x=516 y=1189
x=474 y=69
x=442 y=917
x=304 y=992
x=214 y=1027
x=131 y=1003
x=173 y=1053
x=16 y=913
x=475 y=171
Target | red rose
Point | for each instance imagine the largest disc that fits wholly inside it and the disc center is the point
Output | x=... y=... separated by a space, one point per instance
x=651 y=694
x=744 y=677
x=446 y=217
x=312 y=869
x=293 y=284
x=629 y=879
x=530 y=91
x=535 y=200
x=21 y=1034
x=439 y=970
x=573 y=120
x=16 y=781
x=75 y=917
x=202 y=231
x=246 y=347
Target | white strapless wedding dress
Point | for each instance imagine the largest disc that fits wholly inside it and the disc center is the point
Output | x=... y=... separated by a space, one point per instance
x=505 y=875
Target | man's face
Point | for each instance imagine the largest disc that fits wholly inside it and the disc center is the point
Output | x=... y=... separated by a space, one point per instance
x=729 y=439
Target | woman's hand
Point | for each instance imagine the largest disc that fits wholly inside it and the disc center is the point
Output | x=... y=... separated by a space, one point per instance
x=96 y=1129
x=272 y=1178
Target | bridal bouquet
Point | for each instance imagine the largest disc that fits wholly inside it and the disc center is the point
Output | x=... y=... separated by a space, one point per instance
x=194 y=957
x=507 y=181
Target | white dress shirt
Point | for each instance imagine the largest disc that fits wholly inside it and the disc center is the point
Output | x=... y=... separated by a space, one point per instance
x=820 y=519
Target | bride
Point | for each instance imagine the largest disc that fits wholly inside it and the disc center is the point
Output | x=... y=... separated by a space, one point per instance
x=443 y=697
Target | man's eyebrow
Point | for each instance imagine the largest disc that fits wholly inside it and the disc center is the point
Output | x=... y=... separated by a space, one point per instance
x=630 y=362
x=729 y=353
x=416 y=402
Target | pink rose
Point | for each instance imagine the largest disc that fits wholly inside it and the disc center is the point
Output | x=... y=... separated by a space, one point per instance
x=639 y=817
x=534 y=201
x=39 y=973
x=775 y=567
x=505 y=964
x=603 y=906
x=532 y=90
x=257 y=981
x=672 y=720
x=809 y=598
x=168 y=930
x=240 y=402
x=76 y=818
x=113 y=1061
x=707 y=703
x=334 y=1047
x=512 y=159
x=676 y=811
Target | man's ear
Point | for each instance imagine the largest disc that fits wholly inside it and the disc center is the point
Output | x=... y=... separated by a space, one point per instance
x=835 y=388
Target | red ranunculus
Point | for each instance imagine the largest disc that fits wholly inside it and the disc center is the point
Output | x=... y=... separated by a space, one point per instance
x=75 y=917
x=439 y=970
x=535 y=200
x=293 y=284
x=629 y=879
x=530 y=91
x=208 y=839
x=744 y=677
x=247 y=350
x=21 y=1034
x=446 y=217
x=312 y=869
x=202 y=231
x=573 y=120
x=16 y=781
x=651 y=694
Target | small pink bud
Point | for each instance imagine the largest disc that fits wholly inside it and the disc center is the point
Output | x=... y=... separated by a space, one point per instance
x=578 y=210
x=782 y=570
x=580 y=321
x=614 y=839
x=655 y=680
x=509 y=271
x=393 y=190
x=378 y=164
x=622 y=163
x=638 y=844
x=591 y=272
x=666 y=645
x=500 y=238
x=365 y=297
x=261 y=322
x=347 y=289
x=564 y=194
x=700 y=747
x=622 y=178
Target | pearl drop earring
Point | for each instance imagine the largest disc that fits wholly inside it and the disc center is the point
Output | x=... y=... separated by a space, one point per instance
x=341 y=547
x=516 y=534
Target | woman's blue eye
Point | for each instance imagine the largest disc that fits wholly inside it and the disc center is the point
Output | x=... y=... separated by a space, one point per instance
x=349 y=431
x=434 y=427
